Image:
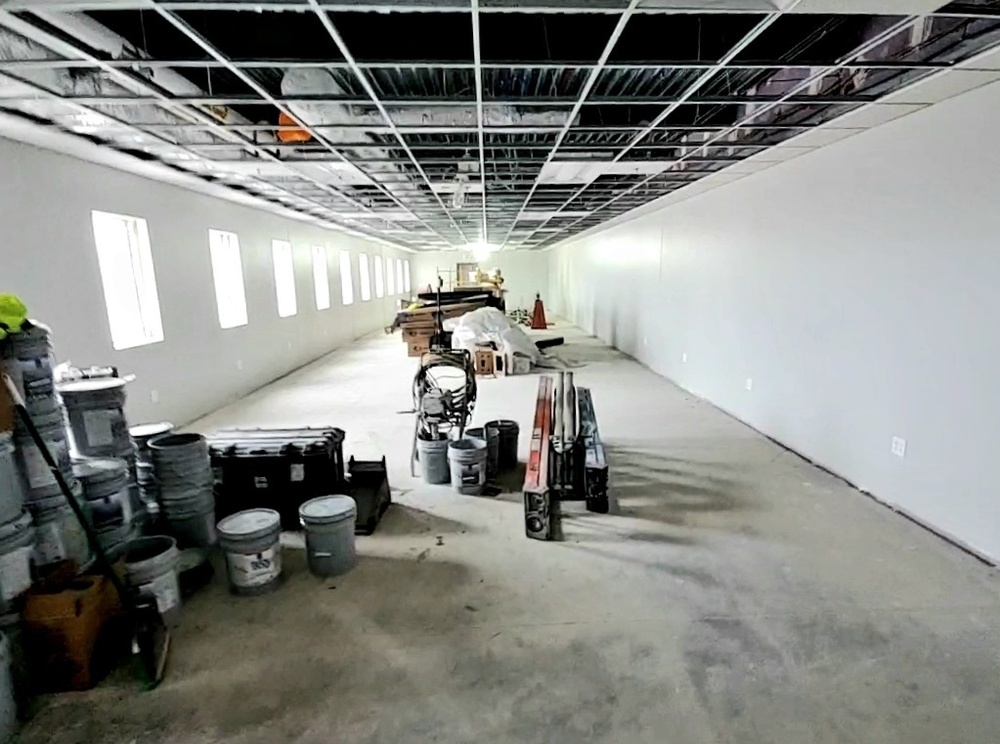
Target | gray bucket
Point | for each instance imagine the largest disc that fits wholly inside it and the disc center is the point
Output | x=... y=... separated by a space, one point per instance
x=8 y=701
x=433 y=457
x=106 y=488
x=17 y=541
x=491 y=436
x=27 y=358
x=507 y=453
x=467 y=459
x=40 y=481
x=194 y=529
x=252 y=545
x=96 y=413
x=141 y=435
x=114 y=540
x=58 y=535
x=11 y=484
x=151 y=570
x=329 y=527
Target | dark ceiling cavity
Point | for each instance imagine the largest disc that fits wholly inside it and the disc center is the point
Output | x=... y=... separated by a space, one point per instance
x=448 y=122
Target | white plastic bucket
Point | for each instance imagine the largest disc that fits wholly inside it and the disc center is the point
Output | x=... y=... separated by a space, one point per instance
x=467 y=459
x=17 y=542
x=151 y=570
x=96 y=412
x=11 y=484
x=251 y=541
x=329 y=526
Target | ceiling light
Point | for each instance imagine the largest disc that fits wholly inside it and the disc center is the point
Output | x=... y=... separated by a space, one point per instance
x=480 y=250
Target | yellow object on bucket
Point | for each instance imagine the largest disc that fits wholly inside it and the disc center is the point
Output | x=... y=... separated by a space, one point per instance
x=13 y=313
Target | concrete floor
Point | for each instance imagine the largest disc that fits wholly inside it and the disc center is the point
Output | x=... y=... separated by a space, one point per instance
x=740 y=595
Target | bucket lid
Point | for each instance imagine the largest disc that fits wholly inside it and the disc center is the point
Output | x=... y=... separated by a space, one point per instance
x=15 y=527
x=249 y=524
x=328 y=509
x=148 y=431
x=99 y=469
x=91 y=386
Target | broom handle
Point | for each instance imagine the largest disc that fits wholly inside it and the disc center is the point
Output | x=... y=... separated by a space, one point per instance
x=95 y=544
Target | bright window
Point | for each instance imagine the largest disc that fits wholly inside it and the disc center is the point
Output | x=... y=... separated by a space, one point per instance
x=390 y=279
x=284 y=277
x=379 y=279
x=227 y=271
x=406 y=275
x=346 y=283
x=126 y=263
x=321 y=277
x=399 y=276
x=366 y=282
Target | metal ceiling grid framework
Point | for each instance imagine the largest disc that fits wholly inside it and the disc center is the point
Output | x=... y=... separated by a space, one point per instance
x=443 y=123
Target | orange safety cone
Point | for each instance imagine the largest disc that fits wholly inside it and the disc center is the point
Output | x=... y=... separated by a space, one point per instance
x=538 y=315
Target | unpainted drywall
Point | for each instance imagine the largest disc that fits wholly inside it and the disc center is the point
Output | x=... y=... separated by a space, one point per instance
x=854 y=287
x=525 y=272
x=48 y=257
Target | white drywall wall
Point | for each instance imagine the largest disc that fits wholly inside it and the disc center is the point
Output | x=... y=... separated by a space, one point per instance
x=855 y=285
x=48 y=258
x=525 y=272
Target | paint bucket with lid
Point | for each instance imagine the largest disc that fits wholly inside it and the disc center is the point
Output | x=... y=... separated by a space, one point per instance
x=38 y=479
x=96 y=412
x=329 y=526
x=11 y=482
x=252 y=546
x=151 y=570
x=467 y=459
x=58 y=534
x=433 y=457
x=17 y=543
x=27 y=358
x=491 y=436
x=507 y=443
x=141 y=434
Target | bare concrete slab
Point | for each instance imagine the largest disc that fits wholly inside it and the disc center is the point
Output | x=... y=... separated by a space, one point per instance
x=737 y=594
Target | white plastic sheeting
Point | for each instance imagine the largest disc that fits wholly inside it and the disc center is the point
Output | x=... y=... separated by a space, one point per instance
x=485 y=325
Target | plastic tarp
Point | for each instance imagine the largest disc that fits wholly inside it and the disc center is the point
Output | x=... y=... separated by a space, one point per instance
x=485 y=325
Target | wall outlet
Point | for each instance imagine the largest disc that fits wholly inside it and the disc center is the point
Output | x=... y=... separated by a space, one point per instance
x=154 y=396
x=289 y=345
x=239 y=364
x=645 y=341
x=684 y=357
x=749 y=383
x=899 y=447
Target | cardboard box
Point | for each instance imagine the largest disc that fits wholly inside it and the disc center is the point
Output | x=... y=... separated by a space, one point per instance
x=419 y=347
x=485 y=362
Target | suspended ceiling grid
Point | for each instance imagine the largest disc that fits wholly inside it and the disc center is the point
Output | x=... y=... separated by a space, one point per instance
x=452 y=122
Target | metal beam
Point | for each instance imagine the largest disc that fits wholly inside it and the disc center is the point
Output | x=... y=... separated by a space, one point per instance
x=477 y=55
x=591 y=80
x=366 y=84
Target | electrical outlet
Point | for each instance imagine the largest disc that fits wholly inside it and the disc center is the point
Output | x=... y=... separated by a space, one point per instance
x=154 y=396
x=749 y=383
x=645 y=341
x=239 y=364
x=289 y=345
x=899 y=447
x=684 y=357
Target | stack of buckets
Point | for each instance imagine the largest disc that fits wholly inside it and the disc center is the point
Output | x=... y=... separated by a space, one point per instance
x=470 y=461
x=145 y=475
x=56 y=535
x=185 y=482
x=106 y=488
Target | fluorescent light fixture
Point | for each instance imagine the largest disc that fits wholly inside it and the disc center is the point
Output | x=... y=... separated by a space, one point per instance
x=480 y=250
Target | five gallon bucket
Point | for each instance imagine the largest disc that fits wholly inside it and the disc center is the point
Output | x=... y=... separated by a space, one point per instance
x=40 y=481
x=151 y=570
x=58 y=534
x=17 y=541
x=433 y=457
x=105 y=486
x=27 y=358
x=467 y=459
x=96 y=412
x=491 y=436
x=251 y=541
x=507 y=452
x=184 y=477
x=11 y=485
x=329 y=528
x=8 y=701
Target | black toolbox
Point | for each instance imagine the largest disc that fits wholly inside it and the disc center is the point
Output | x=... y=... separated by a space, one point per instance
x=276 y=469
x=370 y=490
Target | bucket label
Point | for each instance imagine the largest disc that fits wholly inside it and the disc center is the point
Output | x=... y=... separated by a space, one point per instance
x=97 y=425
x=49 y=544
x=260 y=481
x=298 y=472
x=256 y=569
x=15 y=573
x=165 y=589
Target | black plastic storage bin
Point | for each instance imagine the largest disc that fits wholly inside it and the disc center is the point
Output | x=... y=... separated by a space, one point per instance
x=276 y=469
